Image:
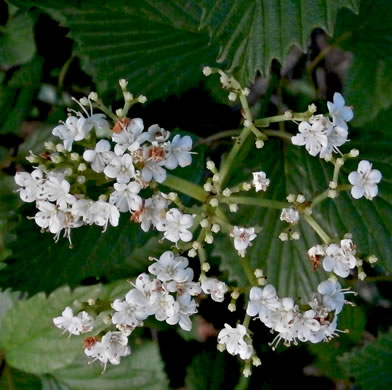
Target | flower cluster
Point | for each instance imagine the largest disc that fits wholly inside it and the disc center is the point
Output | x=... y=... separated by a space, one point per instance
x=322 y=136
x=167 y=293
x=339 y=259
x=292 y=324
x=130 y=163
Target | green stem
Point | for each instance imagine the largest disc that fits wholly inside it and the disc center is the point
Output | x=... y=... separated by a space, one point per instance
x=228 y=162
x=217 y=136
x=324 y=195
x=301 y=116
x=248 y=270
x=63 y=72
x=280 y=134
x=246 y=321
x=317 y=228
x=274 y=204
x=186 y=187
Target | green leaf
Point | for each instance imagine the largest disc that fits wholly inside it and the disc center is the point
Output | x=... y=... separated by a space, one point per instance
x=9 y=203
x=13 y=379
x=293 y=170
x=369 y=36
x=143 y=369
x=206 y=372
x=17 y=41
x=155 y=45
x=253 y=33
x=371 y=365
x=30 y=341
x=40 y=264
x=17 y=95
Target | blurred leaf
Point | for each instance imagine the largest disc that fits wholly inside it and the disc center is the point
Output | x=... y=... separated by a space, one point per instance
x=154 y=44
x=294 y=171
x=40 y=264
x=17 y=41
x=354 y=319
x=369 y=36
x=142 y=370
x=16 y=96
x=13 y=379
x=253 y=33
x=206 y=372
x=7 y=301
x=30 y=341
x=371 y=365
x=9 y=203
x=40 y=134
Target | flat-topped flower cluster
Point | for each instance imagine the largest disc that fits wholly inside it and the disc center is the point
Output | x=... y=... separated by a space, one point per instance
x=102 y=169
x=129 y=164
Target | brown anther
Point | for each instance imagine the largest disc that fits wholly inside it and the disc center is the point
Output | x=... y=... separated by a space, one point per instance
x=316 y=261
x=120 y=125
x=136 y=215
x=89 y=342
x=45 y=155
x=156 y=153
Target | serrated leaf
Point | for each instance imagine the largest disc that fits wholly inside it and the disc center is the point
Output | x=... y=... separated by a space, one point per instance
x=294 y=171
x=17 y=41
x=155 y=45
x=28 y=338
x=40 y=264
x=143 y=369
x=369 y=36
x=371 y=365
x=253 y=33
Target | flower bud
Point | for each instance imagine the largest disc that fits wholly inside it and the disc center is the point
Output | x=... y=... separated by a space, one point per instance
x=204 y=223
x=215 y=228
x=207 y=71
x=283 y=236
x=192 y=253
x=233 y=207
x=93 y=96
x=300 y=198
x=214 y=202
x=123 y=83
x=205 y=267
x=259 y=143
x=81 y=179
x=232 y=96
x=226 y=192
x=259 y=273
x=142 y=99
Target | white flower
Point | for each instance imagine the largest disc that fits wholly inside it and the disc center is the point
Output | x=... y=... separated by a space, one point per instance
x=157 y=134
x=111 y=348
x=290 y=215
x=163 y=305
x=186 y=286
x=100 y=156
x=337 y=136
x=125 y=197
x=102 y=213
x=306 y=325
x=56 y=189
x=49 y=217
x=100 y=124
x=315 y=254
x=178 y=152
x=31 y=185
x=73 y=129
x=263 y=301
x=131 y=310
x=313 y=135
x=187 y=307
x=340 y=259
x=176 y=225
x=215 y=287
x=364 y=181
x=242 y=237
x=153 y=160
x=233 y=338
x=333 y=295
x=170 y=267
x=76 y=325
x=339 y=112
x=260 y=181
x=130 y=137
x=153 y=212
x=121 y=168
